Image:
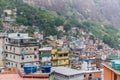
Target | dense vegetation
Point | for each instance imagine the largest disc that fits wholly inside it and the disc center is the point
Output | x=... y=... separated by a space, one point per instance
x=46 y=21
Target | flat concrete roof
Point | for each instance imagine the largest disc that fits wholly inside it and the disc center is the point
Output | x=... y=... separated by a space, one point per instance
x=68 y=71
x=17 y=77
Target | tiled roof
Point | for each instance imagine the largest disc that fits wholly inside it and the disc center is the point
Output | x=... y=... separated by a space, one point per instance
x=17 y=77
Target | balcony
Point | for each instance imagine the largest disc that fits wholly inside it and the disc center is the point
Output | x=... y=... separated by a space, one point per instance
x=63 y=57
x=22 y=44
x=45 y=55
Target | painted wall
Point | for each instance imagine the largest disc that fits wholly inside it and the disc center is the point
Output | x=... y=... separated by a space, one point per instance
x=17 y=50
x=94 y=74
x=109 y=74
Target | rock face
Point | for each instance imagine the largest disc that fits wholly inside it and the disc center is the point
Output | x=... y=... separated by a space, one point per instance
x=104 y=11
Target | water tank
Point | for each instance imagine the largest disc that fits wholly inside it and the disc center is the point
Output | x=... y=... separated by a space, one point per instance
x=113 y=63
x=117 y=65
x=86 y=60
x=34 y=69
x=27 y=69
x=46 y=69
x=30 y=69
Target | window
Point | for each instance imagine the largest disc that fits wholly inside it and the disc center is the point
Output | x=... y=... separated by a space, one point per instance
x=6 y=55
x=27 y=57
x=6 y=47
x=14 y=49
x=12 y=64
x=115 y=76
x=14 y=57
x=22 y=65
x=6 y=40
x=30 y=56
x=8 y=63
x=60 y=55
x=22 y=58
x=65 y=55
x=35 y=49
x=35 y=56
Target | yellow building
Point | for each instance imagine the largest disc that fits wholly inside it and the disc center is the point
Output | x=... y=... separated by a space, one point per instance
x=60 y=57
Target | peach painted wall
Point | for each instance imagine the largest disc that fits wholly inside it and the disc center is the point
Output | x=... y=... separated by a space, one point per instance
x=108 y=75
x=94 y=74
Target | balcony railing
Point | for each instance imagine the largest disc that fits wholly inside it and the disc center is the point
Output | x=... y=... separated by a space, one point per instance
x=22 y=44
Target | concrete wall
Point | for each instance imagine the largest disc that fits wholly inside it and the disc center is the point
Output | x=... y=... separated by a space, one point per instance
x=18 y=58
x=94 y=75
x=17 y=50
x=107 y=72
x=74 y=77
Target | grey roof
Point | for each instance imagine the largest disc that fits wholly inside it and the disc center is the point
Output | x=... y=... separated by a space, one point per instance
x=21 y=36
x=69 y=72
x=45 y=48
x=66 y=71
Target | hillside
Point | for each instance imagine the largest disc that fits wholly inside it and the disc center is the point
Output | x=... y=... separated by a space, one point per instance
x=104 y=11
x=45 y=20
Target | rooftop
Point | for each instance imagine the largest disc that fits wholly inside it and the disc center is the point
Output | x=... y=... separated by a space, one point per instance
x=68 y=71
x=19 y=36
x=107 y=65
x=65 y=71
x=45 y=48
x=17 y=77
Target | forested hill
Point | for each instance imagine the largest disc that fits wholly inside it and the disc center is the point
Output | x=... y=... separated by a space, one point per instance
x=46 y=20
x=104 y=11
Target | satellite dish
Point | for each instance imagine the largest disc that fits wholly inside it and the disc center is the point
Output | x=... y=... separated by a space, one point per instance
x=103 y=57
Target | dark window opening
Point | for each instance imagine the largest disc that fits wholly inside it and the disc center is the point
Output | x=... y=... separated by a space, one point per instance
x=6 y=55
x=115 y=76
x=6 y=47
x=35 y=56
x=35 y=49
x=22 y=58
x=65 y=55
x=14 y=57
x=60 y=55
x=14 y=49
x=22 y=65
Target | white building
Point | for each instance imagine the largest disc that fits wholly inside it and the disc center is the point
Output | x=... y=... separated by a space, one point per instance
x=20 y=49
x=45 y=55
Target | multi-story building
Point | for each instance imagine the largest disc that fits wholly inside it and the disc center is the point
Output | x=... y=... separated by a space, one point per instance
x=2 y=38
x=20 y=49
x=45 y=55
x=111 y=73
x=60 y=57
